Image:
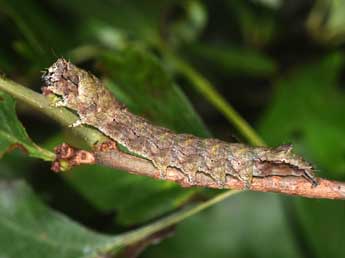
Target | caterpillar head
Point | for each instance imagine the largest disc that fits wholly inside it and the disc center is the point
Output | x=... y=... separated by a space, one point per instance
x=61 y=78
x=75 y=86
x=78 y=89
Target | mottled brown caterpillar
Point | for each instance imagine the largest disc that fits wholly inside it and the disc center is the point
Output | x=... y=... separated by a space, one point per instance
x=97 y=107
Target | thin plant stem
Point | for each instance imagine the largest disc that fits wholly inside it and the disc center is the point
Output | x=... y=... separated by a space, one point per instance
x=212 y=95
x=136 y=235
x=43 y=105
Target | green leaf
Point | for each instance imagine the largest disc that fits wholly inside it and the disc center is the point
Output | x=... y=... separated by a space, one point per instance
x=13 y=134
x=308 y=110
x=135 y=198
x=138 y=79
x=41 y=35
x=231 y=229
x=30 y=229
x=139 y=18
x=234 y=60
x=5 y=63
x=258 y=25
x=323 y=224
x=107 y=22
x=10 y=168
x=310 y=105
x=187 y=28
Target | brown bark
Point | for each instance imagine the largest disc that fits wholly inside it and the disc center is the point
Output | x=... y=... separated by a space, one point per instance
x=290 y=185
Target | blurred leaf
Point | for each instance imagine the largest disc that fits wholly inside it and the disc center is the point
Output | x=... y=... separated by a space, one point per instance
x=136 y=18
x=323 y=224
x=326 y=21
x=234 y=60
x=13 y=10
x=257 y=23
x=42 y=36
x=231 y=229
x=29 y=229
x=274 y=4
x=12 y=133
x=105 y=34
x=5 y=64
x=141 y=82
x=7 y=172
x=10 y=168
x=310 y=106
x=138 y=79
x=189 y=26
x=111 y=22
x=308 y=109
x=136 y=199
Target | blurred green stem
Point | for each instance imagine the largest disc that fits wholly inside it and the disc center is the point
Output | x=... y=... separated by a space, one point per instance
x=212 y=95
x=144 y=232
x=43 y=105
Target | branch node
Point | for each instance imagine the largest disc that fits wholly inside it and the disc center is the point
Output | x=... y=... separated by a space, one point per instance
x=68 y=157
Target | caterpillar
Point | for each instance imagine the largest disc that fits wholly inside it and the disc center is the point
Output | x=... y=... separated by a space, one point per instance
x=97 y=107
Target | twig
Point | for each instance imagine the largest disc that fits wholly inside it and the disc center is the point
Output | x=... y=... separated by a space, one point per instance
x=111 y=157
x=43 y=105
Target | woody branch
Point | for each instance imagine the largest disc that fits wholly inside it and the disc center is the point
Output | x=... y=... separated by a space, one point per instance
x=108 y=155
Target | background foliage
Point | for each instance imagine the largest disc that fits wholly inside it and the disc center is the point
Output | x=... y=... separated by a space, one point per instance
x=279 y=63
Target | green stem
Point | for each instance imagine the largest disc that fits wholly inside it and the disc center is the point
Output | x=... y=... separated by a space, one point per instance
x=43 y=105
x=144 y=232
x=211 y=94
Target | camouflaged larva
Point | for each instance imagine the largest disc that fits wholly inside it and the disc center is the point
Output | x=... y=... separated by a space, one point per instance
x=96 y=106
